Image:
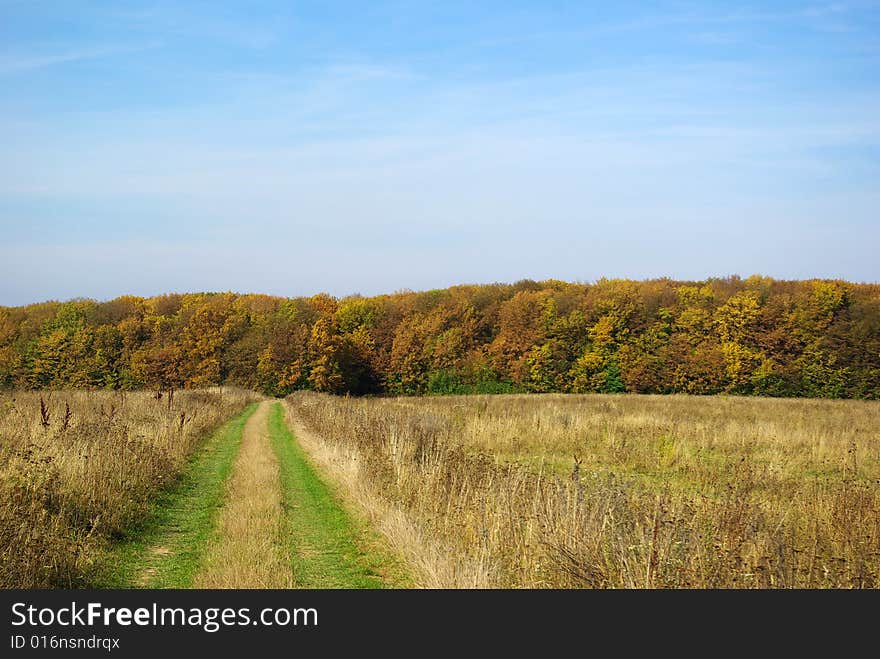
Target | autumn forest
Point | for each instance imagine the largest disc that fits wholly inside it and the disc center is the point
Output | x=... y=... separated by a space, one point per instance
x=755 y=336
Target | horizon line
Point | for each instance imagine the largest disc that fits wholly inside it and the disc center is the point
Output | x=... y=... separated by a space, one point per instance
x=405 y=291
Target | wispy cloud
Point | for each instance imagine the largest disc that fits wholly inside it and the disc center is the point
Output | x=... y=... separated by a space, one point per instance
x=214 y=21
x=13 y=63
x=828 y=16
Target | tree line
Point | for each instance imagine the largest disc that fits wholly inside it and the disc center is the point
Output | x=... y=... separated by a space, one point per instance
x=758 y=336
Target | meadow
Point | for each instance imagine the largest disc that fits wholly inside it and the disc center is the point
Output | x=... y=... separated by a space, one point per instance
x=611 y=491
x=500 y=491
x=80 y=469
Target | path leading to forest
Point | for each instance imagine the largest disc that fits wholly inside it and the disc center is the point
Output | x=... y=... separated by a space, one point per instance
x=251 y=511
x=247 y=550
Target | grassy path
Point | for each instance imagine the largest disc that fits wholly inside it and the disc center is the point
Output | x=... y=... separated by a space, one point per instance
x=167 y=552
x=327 y=549
x=248 y=548
x=251 y=512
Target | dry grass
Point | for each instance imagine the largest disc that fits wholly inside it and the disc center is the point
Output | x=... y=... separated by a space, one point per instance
x=432 y=563
x=248 y=550
x=77 y=469
x=616 y=491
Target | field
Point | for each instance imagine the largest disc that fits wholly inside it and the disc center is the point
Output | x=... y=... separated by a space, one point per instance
x=224 y=488
x=614 y=491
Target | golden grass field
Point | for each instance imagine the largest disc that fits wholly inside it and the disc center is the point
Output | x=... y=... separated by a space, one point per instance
x=611 y=491
x=80 y=468
x=522 y=491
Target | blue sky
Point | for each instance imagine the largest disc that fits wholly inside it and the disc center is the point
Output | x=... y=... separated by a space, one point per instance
x=350 y=147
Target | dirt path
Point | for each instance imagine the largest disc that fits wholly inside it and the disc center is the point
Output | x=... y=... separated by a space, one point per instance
x=249 y=546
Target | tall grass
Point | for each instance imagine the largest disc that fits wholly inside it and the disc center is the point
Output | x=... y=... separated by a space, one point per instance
x=78 y=469
x=621 y=491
